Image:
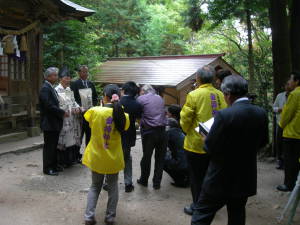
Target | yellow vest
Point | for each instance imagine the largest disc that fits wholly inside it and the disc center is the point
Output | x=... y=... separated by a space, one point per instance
x=104 y=152
x=290 y=116
x=201 y=105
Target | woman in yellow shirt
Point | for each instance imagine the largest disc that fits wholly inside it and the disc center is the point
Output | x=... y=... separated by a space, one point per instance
x=104 y=155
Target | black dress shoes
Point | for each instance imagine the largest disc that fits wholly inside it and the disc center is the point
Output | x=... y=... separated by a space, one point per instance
x=90 y=222
x=188 y=210
x=180 y=185
x=143 y=183
x=129 y=188
x=283 y=187
x=109 y=220
x=51 y=172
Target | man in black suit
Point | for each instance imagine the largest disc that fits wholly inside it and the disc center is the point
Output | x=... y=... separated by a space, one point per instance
x=82 y=83
x=51 y=121
x=134 y=109
x=237 y=134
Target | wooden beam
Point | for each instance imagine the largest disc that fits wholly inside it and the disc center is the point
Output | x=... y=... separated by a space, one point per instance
x=15 y=4
x=13 y=22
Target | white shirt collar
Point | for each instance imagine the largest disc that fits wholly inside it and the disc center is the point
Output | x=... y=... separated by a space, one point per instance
x=49 y=83
x=84 y=82
x=241 y=99
x=59 y=86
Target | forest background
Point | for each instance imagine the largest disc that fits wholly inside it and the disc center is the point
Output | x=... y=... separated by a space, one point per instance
x=260 y=37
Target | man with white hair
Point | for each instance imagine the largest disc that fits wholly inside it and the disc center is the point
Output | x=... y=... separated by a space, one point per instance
x=238 y=132
x=51 y=121
x=201 y=104
x=153 y=123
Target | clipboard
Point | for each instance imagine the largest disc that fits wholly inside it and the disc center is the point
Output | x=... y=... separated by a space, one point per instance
x=205 y=127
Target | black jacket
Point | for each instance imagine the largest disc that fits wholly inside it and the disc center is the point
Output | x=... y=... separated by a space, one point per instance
x=51 y=115
x=236 y=136
x=134 y=109
x=76 y=85
x=177 y=159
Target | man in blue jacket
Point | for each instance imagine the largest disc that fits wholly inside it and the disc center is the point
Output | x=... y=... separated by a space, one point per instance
x=134 y=110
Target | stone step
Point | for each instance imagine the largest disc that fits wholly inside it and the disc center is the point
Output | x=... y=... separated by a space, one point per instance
x=17 y=136
x=19 y=100
x=16 y=108
x=5 y=110
x=7 y=99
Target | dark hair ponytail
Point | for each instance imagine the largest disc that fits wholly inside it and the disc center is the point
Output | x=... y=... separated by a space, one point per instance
x=119 y=116
x=118 y=111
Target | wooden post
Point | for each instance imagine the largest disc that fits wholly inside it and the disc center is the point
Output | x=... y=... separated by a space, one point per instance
x=28 y=75
x=33 y=72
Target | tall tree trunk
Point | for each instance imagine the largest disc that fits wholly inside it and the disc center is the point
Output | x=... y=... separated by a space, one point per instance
x=250 y=54
x=295 y=35
x=280 y=43
x=280 y=47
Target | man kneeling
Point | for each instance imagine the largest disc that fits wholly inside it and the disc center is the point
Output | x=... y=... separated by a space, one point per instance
x=175 y=163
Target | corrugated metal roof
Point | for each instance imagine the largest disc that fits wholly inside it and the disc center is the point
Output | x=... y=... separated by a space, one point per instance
x=156 y=70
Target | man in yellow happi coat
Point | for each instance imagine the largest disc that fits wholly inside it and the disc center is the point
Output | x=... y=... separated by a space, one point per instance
x=290 y=123
x=201 y=105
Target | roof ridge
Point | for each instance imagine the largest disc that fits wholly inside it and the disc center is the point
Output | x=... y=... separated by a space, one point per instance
x=167 y=57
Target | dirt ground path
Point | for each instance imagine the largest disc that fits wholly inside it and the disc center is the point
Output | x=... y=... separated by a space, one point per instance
x=27 y=197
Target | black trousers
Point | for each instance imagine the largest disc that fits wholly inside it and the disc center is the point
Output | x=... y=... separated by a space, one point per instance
x=50 y=150
x=291 y=149
x=68 y=156
x=87 y=131
x=180 y=176
x=206 y=208
x=198 y=164
x=155 y=140
x=279 y=147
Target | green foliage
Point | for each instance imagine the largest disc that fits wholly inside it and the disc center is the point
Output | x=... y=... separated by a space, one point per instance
x=120 y=25
x=118 y=28
x=227 y=30
x=164 y=27
x=165 y=33
x=68 y=43
x=220 y=10
x=229 y=37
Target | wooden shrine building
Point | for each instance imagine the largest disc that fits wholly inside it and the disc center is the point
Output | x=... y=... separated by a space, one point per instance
x=21 y=57
x=172 y=76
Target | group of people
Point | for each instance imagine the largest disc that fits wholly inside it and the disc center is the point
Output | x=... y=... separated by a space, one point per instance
x=287 y=110
x=223 y=163
x=62 y=118
x=220 y=167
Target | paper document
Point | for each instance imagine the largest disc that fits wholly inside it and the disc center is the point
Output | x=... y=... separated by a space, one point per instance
x=204 y=128
x=86 y=98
